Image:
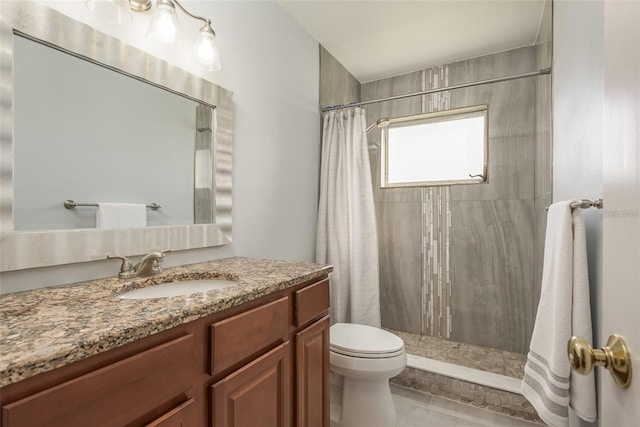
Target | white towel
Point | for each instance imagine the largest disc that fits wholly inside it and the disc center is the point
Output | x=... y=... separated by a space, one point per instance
x=564 y=310
x=121 y=215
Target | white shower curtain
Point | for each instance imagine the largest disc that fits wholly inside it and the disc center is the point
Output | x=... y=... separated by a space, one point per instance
x=347 y=234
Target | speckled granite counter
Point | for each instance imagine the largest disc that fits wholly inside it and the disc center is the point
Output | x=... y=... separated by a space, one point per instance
x=44 y=329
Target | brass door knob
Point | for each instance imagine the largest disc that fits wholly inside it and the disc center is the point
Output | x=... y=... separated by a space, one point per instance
x=615 y=357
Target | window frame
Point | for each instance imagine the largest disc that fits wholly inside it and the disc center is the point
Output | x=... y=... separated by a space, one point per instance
x=438 y=116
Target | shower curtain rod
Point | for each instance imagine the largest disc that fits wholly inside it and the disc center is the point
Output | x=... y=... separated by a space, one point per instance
x=440 y=89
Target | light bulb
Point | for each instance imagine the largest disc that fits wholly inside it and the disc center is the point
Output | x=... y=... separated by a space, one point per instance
x=206 y=49
x=164 y=25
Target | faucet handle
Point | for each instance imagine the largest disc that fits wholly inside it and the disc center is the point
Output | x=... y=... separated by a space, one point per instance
x=126 y=269
x=157 y=256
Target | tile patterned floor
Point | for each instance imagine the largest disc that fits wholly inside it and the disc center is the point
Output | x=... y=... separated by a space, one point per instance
x=472 y=356
x=417 y=409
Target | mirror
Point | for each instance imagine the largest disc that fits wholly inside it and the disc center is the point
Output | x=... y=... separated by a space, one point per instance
x=117 y=139
x=188 y=172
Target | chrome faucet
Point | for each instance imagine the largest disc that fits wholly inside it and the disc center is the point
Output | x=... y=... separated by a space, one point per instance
x=147 y=266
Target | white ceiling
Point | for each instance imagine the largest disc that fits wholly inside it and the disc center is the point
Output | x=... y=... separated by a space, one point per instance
x=381 y=38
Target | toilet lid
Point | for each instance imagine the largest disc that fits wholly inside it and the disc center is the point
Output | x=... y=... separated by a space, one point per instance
x=365 y=341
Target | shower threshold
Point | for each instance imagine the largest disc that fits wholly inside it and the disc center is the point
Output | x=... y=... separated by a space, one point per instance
x=489 y=379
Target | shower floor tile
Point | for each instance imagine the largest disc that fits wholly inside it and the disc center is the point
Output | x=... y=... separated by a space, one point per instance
x=472 y=356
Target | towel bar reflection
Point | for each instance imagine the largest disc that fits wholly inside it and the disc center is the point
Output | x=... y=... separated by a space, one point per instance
x=70 y=204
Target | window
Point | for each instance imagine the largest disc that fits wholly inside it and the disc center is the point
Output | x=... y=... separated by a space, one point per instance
x=442 y=148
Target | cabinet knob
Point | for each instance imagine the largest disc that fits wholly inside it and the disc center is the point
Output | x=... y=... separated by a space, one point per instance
x=615 y=357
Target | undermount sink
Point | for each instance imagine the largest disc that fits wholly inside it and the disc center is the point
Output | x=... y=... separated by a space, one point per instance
x=174 y=289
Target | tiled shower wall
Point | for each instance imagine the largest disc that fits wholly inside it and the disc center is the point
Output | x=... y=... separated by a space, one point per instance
x=337 y=85
x=459 y=262
x=464 y=262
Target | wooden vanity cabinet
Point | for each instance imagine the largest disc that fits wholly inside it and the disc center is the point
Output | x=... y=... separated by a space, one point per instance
x=262 y=363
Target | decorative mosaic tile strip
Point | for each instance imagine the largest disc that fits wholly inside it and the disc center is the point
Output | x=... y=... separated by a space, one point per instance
x=436 y=217
x=426 y=322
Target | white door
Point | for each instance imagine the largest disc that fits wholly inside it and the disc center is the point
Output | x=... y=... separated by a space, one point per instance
x=621 y=221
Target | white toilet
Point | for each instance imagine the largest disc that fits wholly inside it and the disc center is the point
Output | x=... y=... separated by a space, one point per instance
x=362 y=360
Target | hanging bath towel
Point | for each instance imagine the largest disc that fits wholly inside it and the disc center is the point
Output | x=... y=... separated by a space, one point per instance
x=564 y=310
x=121 y=215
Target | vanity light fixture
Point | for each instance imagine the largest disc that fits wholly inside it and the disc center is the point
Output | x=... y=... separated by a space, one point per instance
x=164 y=28
x=114 y=11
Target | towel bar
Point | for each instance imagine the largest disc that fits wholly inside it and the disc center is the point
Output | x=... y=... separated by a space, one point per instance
x=586 y=203
x=70 y=204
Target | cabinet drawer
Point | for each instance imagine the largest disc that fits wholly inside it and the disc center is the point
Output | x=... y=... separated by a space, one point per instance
x=111 y=396
x=311 y=302
x=181 y=416
x=238 y=338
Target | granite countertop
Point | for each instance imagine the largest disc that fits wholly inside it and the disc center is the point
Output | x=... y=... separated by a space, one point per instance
x=47 y=328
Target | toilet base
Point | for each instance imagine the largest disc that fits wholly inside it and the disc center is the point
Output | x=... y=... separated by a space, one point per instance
x=365 y=403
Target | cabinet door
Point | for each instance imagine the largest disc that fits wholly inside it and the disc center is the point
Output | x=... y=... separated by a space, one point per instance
x=312 y=375
x=256 y=395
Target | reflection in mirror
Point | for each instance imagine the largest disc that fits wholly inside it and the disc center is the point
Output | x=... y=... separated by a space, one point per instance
x=192 y=183
x=204 y=202
x=86 y=133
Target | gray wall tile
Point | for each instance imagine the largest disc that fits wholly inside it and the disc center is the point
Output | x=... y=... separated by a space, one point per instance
x=506 y=63
x=337 y=85
x=492 y=273
x=400 y=238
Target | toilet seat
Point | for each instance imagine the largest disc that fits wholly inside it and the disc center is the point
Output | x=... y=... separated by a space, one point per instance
x=364 y=341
